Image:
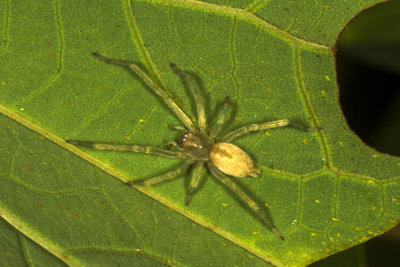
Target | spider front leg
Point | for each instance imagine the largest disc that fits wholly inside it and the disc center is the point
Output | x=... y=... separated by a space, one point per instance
x=129 y=148
x=245 y=198
x=147 y=80
x=254 y=127
x=263 y=126
x=141 y=149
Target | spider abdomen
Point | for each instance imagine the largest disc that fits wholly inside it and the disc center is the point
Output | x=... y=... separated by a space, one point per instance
x=232 y=160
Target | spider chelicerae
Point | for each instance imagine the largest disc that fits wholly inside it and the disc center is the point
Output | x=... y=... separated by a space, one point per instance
x=199 y=146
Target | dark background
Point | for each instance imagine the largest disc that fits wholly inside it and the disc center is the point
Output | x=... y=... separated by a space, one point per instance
x=368 y=71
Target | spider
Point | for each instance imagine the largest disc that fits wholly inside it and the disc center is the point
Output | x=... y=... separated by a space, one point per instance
x=199 y=146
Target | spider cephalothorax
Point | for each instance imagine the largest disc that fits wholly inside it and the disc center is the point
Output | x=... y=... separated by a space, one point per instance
x=198 y=146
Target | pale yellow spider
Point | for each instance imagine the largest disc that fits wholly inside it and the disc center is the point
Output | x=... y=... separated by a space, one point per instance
x=199 y=146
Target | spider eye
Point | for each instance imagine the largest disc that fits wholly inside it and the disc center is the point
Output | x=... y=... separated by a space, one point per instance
x=185 y=138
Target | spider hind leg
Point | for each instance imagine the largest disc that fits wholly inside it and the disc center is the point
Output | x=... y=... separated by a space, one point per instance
x=245 y=198
x=161 y=178
x=194 y=182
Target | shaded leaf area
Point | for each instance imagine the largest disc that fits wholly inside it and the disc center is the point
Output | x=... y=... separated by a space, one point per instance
x=325 y=190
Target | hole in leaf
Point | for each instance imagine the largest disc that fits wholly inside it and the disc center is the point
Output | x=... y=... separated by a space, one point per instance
x=368 y=65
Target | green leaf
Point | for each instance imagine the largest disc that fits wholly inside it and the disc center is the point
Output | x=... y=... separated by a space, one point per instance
x=326 y=191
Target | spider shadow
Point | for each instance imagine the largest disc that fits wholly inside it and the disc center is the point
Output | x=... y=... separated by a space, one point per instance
x=206 y=176
x=206 y=98
x=230 y=118
x=155 y=80
x=190 y=93
x=244 y=206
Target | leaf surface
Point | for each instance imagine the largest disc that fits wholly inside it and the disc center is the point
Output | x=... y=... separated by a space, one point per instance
x=325 y=190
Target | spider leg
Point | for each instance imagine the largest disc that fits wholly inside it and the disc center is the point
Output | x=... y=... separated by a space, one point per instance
x=171 y=144
x=194 y=182
x=254 y=127
x=177 y=128
x=196 y=93
x=160 y=92
x=245 y=198
x=161 y=178
x=130 y=148
x=221 y=118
